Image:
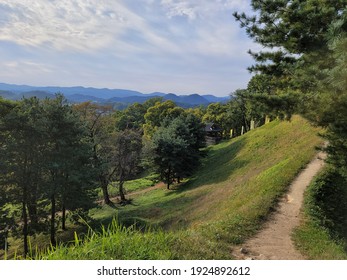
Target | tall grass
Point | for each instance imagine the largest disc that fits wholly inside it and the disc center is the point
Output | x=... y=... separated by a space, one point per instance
x=119 y=242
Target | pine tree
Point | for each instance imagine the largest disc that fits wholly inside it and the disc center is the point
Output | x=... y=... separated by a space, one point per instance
x=22 y=152
x=294 y=34
x=67 y=160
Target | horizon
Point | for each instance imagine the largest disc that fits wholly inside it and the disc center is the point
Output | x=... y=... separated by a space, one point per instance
x=35 y=87
x=182 y=47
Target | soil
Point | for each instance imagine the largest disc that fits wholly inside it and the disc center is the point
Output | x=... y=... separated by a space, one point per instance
x=274 y=241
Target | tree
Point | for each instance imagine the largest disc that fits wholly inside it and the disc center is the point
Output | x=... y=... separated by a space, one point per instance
x=132 y=117
x=294 y=26
x=294 y=34
x=22 y=153
x=217 y=113
x=128 y=146
x=310 y=41
x=157 y=113
x=67 y=159
x=333 y=102
x=176 y=147
x=100 y=124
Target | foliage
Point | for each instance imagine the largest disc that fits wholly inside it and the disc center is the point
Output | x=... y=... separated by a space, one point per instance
x=176 y=147
x=218 y=113
x=101 y=126
x=128 y=146
x=294 y=34
x=157 y=113
x=22 y=153
x=323 y=233
x=70 y=175
x=132 y=117
x=44 y=159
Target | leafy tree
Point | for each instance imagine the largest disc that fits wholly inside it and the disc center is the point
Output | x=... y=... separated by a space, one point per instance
x=127 y=155
x=199 y=112
x=100 y=124
x=131 y=118
x=157 y=113
x=176 y=147
x=217 y=113
x=169 y=149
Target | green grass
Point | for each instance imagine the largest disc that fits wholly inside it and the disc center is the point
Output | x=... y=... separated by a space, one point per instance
x=120 y=242
x=226 y=201
x=323 y=233
x=238 y=185
x=131 y=186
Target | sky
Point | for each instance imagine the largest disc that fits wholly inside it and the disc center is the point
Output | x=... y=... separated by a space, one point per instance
x=179 y=46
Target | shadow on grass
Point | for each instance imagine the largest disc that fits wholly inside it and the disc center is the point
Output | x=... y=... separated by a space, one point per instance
x=165 y=212
x=217 y=167
x=169 y=207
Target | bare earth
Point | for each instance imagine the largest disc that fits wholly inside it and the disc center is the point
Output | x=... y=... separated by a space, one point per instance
x=274 y=241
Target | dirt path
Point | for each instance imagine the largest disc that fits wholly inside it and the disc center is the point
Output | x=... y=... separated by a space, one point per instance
x=274 y=241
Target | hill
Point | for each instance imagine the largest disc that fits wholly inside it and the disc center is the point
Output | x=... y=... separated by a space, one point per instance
x=104 y=96
x=224 y=203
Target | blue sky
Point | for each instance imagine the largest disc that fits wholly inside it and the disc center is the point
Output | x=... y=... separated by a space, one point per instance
x=180 y=46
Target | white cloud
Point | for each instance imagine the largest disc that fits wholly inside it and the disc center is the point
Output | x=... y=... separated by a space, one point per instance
x=194 y=9
x=79 y=24
x=123 y=42
x=89 y=25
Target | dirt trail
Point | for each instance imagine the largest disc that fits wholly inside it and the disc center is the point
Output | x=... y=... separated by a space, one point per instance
x=274 y=241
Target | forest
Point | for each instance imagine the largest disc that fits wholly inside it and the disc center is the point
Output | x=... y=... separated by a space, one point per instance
x=56 y=157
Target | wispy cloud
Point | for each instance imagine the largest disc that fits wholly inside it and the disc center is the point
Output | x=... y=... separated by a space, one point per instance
x=118 y=42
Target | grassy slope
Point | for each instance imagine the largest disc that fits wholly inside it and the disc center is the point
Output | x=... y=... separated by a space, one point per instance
x=323 y=232
x=225 y=202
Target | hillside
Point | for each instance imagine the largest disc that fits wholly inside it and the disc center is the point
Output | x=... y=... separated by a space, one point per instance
x=226 y=201
x=103 y=96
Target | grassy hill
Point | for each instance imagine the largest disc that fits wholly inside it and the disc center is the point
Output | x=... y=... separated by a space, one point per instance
x=226 y=201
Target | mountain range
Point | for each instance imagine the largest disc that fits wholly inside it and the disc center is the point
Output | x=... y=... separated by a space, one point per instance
x=120 y=98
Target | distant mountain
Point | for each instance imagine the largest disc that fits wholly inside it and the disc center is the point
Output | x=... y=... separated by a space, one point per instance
x=213 y=99
x=8 y=94
x=38 y=93
x=79 y=98
x=194 y=99
x=104 y=96
x=157 y=93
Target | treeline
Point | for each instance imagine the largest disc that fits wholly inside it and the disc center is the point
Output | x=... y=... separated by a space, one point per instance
x=54 y=156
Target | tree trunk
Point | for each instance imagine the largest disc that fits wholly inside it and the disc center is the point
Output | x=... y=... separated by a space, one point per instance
x=178 y=179
x=104 y=185
x=63 y=220
x=25 y=226
x=53 y=241
x=121 y=191
x=32 y=211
